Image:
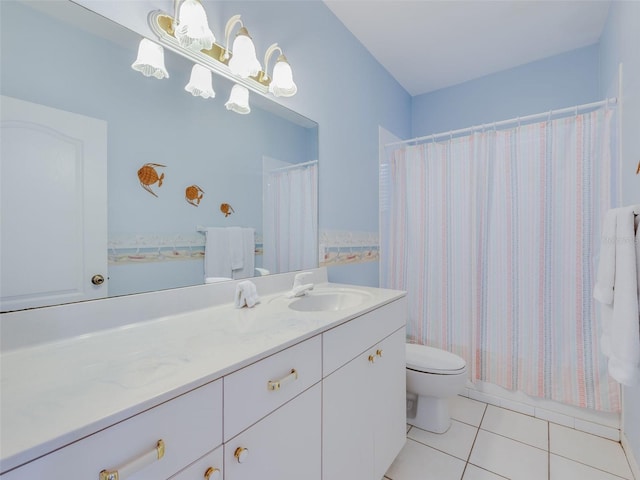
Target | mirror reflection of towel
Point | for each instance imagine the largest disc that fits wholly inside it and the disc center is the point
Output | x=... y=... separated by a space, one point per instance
x=217 y=262
x=236 y=248
x=249 y=251
x=229 y=247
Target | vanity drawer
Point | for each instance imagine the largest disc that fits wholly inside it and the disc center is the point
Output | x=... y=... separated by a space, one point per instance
x=189 y=425
x=344 y=342
x=253 y=392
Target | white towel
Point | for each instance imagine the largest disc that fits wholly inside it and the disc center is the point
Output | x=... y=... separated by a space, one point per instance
x=603 y=290
x=246 y=294
x=620 y=340
x=249 y=255
x=217 y=262
x=236 y=250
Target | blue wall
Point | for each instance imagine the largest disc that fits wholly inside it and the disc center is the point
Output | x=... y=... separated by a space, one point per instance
x=619 y=43
x=560 y=81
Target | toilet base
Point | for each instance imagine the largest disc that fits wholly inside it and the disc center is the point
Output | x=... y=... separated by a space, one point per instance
x=431 y=413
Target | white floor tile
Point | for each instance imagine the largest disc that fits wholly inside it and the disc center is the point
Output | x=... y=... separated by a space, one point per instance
x=456 y=441
x=476 y=473
x=585 y=448
x=508 y=457
x=565 y=469
x=517 y=426
x=419 y=462
x=466 y=410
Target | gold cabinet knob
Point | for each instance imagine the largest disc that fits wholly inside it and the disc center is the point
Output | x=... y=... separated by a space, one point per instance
x=212 y=473
x=241 y=454
x=372 y=359
x=379 y=352
x=97 y=279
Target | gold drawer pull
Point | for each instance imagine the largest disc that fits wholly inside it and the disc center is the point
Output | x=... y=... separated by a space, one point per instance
x=379 y=352
x=135 y=465
x=276 y=384
x=371 y=359
x=212 y=473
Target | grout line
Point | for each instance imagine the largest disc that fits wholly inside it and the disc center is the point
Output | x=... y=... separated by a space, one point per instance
x=515 y=440
x=591 y=466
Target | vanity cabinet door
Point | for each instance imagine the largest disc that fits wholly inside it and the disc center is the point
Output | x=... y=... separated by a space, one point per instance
x=347 y=428
x=389 y=401
x=208 y=467
x=285 y=445
x=364 y=412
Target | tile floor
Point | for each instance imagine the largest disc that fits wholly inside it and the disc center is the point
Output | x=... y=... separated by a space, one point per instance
x=491 y=443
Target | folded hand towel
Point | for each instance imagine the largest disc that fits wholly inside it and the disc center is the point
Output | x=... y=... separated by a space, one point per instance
x=246 y=294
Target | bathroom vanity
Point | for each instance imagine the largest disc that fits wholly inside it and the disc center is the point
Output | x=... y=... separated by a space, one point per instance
x=310 y=387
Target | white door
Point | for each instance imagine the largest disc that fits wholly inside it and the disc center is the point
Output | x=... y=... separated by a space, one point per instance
x=53 y=205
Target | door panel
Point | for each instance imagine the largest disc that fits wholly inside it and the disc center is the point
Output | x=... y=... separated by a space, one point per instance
x=53 y=205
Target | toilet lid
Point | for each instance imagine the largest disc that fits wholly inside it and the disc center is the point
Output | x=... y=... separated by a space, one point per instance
x=433 y=360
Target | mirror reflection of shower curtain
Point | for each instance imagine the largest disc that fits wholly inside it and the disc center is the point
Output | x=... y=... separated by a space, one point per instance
x=290 y=238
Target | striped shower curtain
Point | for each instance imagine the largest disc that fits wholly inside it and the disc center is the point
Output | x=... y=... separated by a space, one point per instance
x=494 y=236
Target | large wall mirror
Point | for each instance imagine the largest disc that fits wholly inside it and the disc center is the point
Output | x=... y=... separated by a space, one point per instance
x=95 y=155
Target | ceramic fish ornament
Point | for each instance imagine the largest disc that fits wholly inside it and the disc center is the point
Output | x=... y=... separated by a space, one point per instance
x=148 y=176
x=193 y=194
x=226 y=209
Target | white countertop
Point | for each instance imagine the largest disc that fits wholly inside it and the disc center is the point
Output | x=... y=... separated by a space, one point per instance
x=52 y=394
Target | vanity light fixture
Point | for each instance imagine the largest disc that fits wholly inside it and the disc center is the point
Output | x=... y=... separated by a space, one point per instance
x=238 y=100
x=200 y=83
x=191 y=26
x=281 y=84
x=243 y=62
x=239 y=64
x=150 y=60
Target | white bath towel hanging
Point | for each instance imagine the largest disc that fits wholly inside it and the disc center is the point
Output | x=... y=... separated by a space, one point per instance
x=620 y=340
x=248 y=246
x=236 y=248
x=217 y=261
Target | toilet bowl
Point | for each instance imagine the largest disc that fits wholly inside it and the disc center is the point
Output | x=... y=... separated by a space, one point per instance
x=433 y=376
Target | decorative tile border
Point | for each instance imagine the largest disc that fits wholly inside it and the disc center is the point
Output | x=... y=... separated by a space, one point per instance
x=345 y=247
x=335 y=247
x=161 y=247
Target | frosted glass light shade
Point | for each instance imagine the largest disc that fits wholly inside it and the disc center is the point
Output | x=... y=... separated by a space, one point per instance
x=192 y=30
x=282 y=84
x=150 y=61
x=238 y=100
x=200 y=84
x=244 y=62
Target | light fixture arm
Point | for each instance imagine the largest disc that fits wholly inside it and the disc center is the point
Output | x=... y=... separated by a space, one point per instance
x=227 y=33
x=267 y=57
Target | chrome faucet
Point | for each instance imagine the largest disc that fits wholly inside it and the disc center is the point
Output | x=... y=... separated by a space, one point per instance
x=299 y=287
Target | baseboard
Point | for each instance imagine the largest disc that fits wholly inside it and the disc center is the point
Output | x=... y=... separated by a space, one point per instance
x=633 y=462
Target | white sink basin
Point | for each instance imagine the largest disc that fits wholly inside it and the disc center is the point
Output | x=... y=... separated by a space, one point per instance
x=329 y=300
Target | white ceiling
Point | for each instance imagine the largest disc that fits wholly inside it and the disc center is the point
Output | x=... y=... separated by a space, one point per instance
x=431 y=44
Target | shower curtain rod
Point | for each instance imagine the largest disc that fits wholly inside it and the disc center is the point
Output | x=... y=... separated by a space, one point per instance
x=295 y=165
x=493 y=125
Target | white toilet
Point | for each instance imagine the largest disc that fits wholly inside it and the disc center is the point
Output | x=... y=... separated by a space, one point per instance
x=433 y=375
